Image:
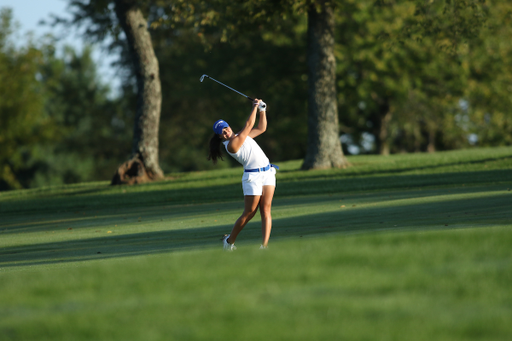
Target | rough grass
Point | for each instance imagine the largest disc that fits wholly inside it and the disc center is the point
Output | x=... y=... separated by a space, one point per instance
x=407 y=247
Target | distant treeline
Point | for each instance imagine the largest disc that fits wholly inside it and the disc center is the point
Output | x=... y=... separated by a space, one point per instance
x=403 y=85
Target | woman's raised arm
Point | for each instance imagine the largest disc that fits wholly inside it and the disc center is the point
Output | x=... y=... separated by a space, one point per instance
x=236 y=143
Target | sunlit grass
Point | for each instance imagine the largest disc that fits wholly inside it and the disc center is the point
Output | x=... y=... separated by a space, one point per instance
x=406 y=247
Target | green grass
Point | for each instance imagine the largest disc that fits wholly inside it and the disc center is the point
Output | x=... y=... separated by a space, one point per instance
x=406 y=247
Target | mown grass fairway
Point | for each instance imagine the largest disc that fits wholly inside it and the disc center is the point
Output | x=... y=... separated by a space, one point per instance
x=406 y=247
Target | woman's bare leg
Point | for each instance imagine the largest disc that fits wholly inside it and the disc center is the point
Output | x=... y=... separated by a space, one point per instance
x=251 y=203
x=265 y=211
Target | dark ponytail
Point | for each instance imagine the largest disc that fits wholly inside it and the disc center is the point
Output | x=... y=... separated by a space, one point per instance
x=215 y=151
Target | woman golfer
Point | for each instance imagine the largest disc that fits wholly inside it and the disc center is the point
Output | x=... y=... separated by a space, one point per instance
x=259 y=179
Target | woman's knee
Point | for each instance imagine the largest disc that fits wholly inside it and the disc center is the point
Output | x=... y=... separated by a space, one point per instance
x=265 y=211
x=250 y=214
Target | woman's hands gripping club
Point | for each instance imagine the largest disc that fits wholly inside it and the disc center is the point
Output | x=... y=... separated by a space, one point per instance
x=262 y=106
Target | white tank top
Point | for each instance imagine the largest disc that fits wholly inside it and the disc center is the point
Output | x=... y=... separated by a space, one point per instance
x=250 y=155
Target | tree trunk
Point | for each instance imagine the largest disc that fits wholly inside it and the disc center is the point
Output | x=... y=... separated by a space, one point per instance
x=431 y=146
x=383 y=134
x=324 y=146
x=380 y=119
x=149 y=94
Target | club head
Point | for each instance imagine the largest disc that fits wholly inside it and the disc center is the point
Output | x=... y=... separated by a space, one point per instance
x=202 y=78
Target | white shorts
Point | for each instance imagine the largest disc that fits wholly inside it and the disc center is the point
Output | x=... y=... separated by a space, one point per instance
x=253 y=182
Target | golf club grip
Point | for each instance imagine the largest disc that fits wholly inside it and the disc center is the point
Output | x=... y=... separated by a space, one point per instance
x=250 y=99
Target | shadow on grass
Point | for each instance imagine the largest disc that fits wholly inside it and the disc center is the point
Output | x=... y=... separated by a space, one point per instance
x=122 y=215
x=405 y=169
x=111 y=246
x=232 y=192
x=108 y=218
x=483 y=211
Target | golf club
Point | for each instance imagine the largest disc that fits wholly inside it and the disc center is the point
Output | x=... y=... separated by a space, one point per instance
x=262 y=106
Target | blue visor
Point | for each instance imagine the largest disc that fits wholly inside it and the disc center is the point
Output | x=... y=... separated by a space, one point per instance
x=219 y=126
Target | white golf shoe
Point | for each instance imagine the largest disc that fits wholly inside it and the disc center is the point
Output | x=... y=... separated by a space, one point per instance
x=228 y=246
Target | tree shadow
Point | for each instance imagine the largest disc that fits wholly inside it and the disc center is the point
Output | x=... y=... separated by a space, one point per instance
x=102 y=218
x=484 y=211
x=111 y=246
x=232 y=192
x=396 y=171
x=122 y=215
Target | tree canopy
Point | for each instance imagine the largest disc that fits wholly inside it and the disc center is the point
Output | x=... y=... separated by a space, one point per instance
x=57 y=122
x=411 y=76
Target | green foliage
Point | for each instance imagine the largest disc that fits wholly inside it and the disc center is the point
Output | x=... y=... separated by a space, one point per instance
x=404 y=69
x=58 y=124
x=95 y=128
x=23 y=122
x=489 y=64
x=449 y=23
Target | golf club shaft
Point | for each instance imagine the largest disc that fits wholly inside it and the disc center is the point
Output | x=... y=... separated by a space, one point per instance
x=238 y=92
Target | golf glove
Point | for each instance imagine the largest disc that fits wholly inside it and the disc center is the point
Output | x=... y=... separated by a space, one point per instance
x=262 y=106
